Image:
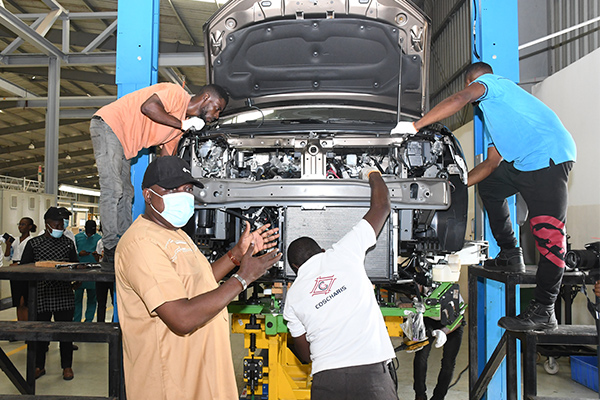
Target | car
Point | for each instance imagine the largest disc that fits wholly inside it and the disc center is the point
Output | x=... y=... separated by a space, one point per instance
x=315 y=90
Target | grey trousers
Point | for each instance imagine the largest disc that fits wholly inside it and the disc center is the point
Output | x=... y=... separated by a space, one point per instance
x=363 y=382
x=116 y=190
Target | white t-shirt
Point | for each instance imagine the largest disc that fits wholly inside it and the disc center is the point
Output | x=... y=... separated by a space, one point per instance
x=100 y=248
x=69 y=233
x=18 y=247
x=333 y=302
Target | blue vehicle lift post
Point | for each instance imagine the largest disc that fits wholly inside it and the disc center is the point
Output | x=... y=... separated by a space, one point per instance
x=137 y=67
x=494 y=41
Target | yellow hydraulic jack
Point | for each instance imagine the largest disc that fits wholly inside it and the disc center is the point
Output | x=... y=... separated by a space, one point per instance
x=271 y=370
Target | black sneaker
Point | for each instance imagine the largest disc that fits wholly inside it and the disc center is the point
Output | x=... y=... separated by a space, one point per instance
x=507 y=261
x=537 y=317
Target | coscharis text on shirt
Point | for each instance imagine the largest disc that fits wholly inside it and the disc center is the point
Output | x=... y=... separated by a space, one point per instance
x=331 y=296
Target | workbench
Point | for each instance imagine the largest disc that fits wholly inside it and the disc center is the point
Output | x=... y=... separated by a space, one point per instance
x=32 y=330
x=507 y=346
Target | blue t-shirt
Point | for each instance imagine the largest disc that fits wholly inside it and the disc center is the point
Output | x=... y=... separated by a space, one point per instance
x=521 y=127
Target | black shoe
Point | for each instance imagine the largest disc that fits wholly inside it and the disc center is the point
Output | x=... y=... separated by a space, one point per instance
x=537 y=317
x=507 y=261
x=75 y=347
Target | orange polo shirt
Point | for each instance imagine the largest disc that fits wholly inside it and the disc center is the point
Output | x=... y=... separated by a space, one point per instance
x=154 y=265
x=135 y=130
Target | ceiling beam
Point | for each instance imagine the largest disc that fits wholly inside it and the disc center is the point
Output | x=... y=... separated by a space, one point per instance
x=18 y=41
x=185 y=28
x=65 y=101
x=40 y=144
x=23 y=30
x=65 y=73
x=82 y=39
x=104 y=58
x=39 y=160
x=15 y=89
x=100 y=38
x=9 y=130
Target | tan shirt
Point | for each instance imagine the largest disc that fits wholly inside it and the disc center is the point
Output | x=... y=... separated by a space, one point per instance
x=136 y=131
x=154 y=265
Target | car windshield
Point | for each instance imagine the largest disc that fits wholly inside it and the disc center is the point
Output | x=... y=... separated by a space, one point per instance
x=310 y=114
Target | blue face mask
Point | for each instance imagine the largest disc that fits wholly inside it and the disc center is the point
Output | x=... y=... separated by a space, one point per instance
x=55 y=233
x=66 y=223
x=179 y=207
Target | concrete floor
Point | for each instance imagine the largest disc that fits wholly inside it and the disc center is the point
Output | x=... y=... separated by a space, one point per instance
x=91 y=371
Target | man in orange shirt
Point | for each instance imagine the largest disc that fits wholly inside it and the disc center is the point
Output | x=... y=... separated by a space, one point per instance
x=152 y=116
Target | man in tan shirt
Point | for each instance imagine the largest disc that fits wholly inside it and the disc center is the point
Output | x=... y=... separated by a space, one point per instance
x=152 y=116
x=172 y=309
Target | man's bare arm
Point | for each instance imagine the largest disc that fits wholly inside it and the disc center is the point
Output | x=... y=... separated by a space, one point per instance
x=302 y=348
x=184 y=316
x=380 y=202
x=484 y=169
x=154 y=109
x=451 y=105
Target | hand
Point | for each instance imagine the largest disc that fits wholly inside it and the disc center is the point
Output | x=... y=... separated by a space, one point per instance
x=440 y=338
x=83 y=253
x=366 y=171
x=597 y=288
x=194 y=122
x=263 y=239
x=8 y=238
x=404 y=127
x=252 y=268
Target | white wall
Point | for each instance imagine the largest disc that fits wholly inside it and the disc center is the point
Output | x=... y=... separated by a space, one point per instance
x=574 y=94
x=15 y=205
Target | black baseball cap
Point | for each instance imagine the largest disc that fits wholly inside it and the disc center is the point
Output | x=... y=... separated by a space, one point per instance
x=169 y=172
x=65 y=212
x=54 y=214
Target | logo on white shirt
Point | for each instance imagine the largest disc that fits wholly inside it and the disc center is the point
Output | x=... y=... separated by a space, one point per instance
x=323 y=285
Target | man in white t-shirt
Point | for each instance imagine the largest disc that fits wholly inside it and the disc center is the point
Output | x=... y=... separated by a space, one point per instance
x=332 y=312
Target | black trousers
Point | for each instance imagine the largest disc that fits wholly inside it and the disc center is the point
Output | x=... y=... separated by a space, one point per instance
x=546 y=193
x=363 y=382
x=450 y=351
x=66 y=348
x=102 y=289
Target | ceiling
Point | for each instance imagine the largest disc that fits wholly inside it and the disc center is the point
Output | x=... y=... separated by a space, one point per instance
x=23 y=78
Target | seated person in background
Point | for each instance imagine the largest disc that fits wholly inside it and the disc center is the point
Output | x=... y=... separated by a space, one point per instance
x=86 y=243
x=332 y=312
x=55 y=298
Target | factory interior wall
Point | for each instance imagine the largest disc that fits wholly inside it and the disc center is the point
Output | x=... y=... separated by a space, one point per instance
x=464 y=134
x=574 y=94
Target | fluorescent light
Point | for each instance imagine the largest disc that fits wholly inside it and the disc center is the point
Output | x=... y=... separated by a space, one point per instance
x=81 y=209
x=79 y=190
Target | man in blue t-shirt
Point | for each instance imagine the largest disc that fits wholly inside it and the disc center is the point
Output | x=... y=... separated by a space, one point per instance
x=530 y=153
x=86 y=246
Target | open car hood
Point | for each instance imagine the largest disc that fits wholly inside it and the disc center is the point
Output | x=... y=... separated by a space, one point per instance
x=348 y=52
